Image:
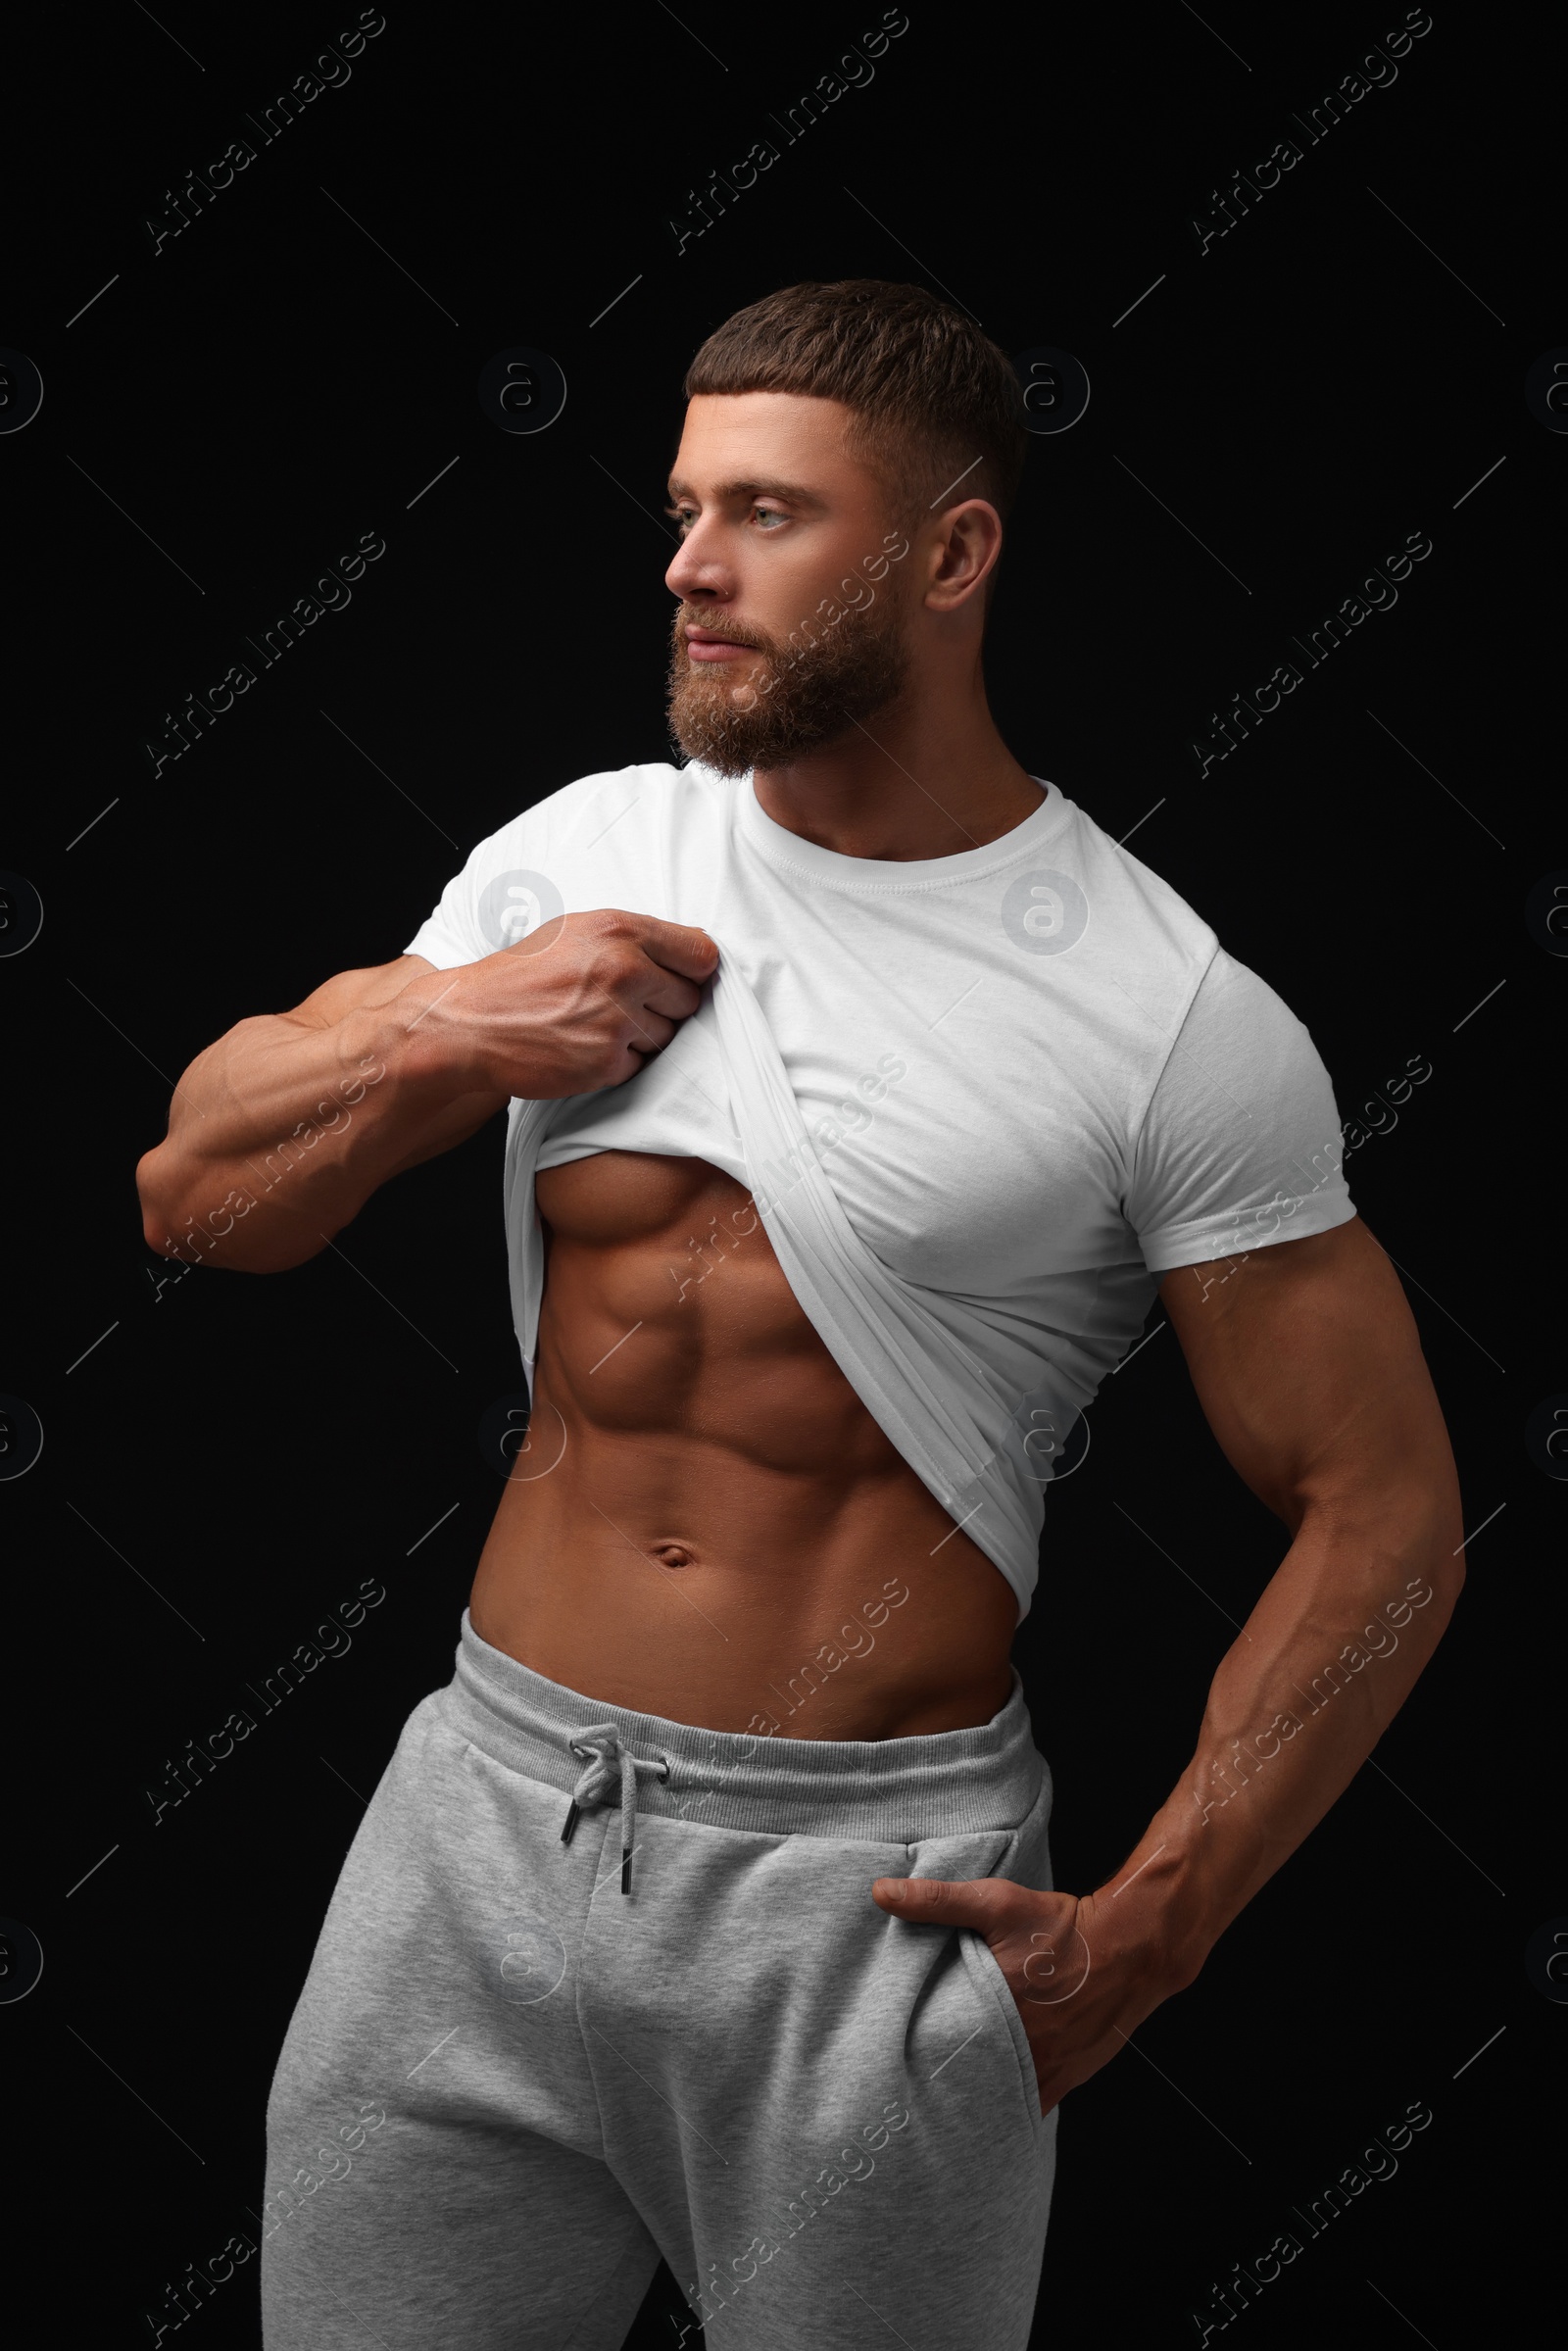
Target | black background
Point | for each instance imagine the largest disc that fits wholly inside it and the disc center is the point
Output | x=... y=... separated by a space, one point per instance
x=235 y=1456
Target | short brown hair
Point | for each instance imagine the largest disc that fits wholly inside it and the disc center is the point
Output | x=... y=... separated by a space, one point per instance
x=932 y=393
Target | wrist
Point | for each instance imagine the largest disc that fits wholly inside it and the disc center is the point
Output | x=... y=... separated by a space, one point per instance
x=1163 y=1903
x=419 y=1040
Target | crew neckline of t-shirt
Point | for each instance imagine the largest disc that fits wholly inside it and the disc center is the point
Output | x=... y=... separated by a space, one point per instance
x=781 y=847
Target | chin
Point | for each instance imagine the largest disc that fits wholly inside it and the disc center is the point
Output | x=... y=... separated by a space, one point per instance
x=705 y=722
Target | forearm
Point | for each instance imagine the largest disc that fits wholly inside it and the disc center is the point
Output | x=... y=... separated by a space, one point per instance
x=1311 y=1375
x=1326 y=1659
x=280 y=1131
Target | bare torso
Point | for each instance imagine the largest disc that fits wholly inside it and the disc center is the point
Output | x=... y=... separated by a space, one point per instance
x=705 y=1522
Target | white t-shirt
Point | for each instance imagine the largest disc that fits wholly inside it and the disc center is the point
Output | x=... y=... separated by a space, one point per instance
x=982 y=1101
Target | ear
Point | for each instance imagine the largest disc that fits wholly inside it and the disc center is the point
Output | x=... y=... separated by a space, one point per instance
x=964 y=550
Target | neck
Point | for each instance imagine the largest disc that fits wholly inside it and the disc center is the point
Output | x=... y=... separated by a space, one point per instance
x=926 y=778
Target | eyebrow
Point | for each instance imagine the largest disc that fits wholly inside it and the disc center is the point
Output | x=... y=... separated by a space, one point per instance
x=794 y=492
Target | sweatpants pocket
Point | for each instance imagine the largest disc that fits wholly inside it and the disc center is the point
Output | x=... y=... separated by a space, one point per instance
x=985 y=1972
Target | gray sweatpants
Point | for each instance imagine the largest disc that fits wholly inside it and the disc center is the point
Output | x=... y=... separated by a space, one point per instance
x=522 y=2067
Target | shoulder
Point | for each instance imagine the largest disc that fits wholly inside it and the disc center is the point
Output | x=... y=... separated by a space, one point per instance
x=636 y=837
x=566 y=817
x=1137 y=902
x=1145 y=951
x=616 y=816
x=1162 y=963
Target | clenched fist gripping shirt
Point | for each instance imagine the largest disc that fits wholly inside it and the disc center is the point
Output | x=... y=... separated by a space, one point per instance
x=982 y=1102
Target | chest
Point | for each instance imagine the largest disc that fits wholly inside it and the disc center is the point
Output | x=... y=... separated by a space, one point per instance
x=971 y=1125
x=615 y=1197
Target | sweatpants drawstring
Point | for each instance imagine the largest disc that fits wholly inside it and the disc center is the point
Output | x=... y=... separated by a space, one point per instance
x=596 y=1785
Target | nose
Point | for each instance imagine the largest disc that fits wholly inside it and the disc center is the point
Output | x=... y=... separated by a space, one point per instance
x=699 y=574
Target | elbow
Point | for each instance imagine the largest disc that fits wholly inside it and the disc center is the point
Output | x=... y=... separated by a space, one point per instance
x=157 y=1212
x=1433 y=1551
x=216 y=1236
x=1408 y=1532
x=1447 y=1569
x=1444 y=1536
x=163 y=1208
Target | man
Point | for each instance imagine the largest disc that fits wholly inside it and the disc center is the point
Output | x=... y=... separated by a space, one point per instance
x=862 y=1096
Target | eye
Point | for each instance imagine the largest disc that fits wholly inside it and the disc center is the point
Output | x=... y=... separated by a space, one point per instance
x=684 y=515
x=769 y=514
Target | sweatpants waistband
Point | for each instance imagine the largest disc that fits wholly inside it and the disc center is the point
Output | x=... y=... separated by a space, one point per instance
x=891 y=1790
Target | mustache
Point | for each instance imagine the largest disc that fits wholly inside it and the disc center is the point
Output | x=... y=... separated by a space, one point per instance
x=686 y=618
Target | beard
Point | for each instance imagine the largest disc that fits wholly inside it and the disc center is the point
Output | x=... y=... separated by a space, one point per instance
x=791 y=700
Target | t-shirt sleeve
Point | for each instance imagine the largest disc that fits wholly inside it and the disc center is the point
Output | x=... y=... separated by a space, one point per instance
x=1241 y=1145
x=499 y=896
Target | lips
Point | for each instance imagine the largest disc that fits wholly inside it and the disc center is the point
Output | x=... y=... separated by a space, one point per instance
x=702 y=646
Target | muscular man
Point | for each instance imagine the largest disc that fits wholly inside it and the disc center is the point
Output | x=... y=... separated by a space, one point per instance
x=863 y=1095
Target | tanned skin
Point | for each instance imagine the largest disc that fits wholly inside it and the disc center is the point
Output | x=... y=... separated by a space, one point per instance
x=703 y=1504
